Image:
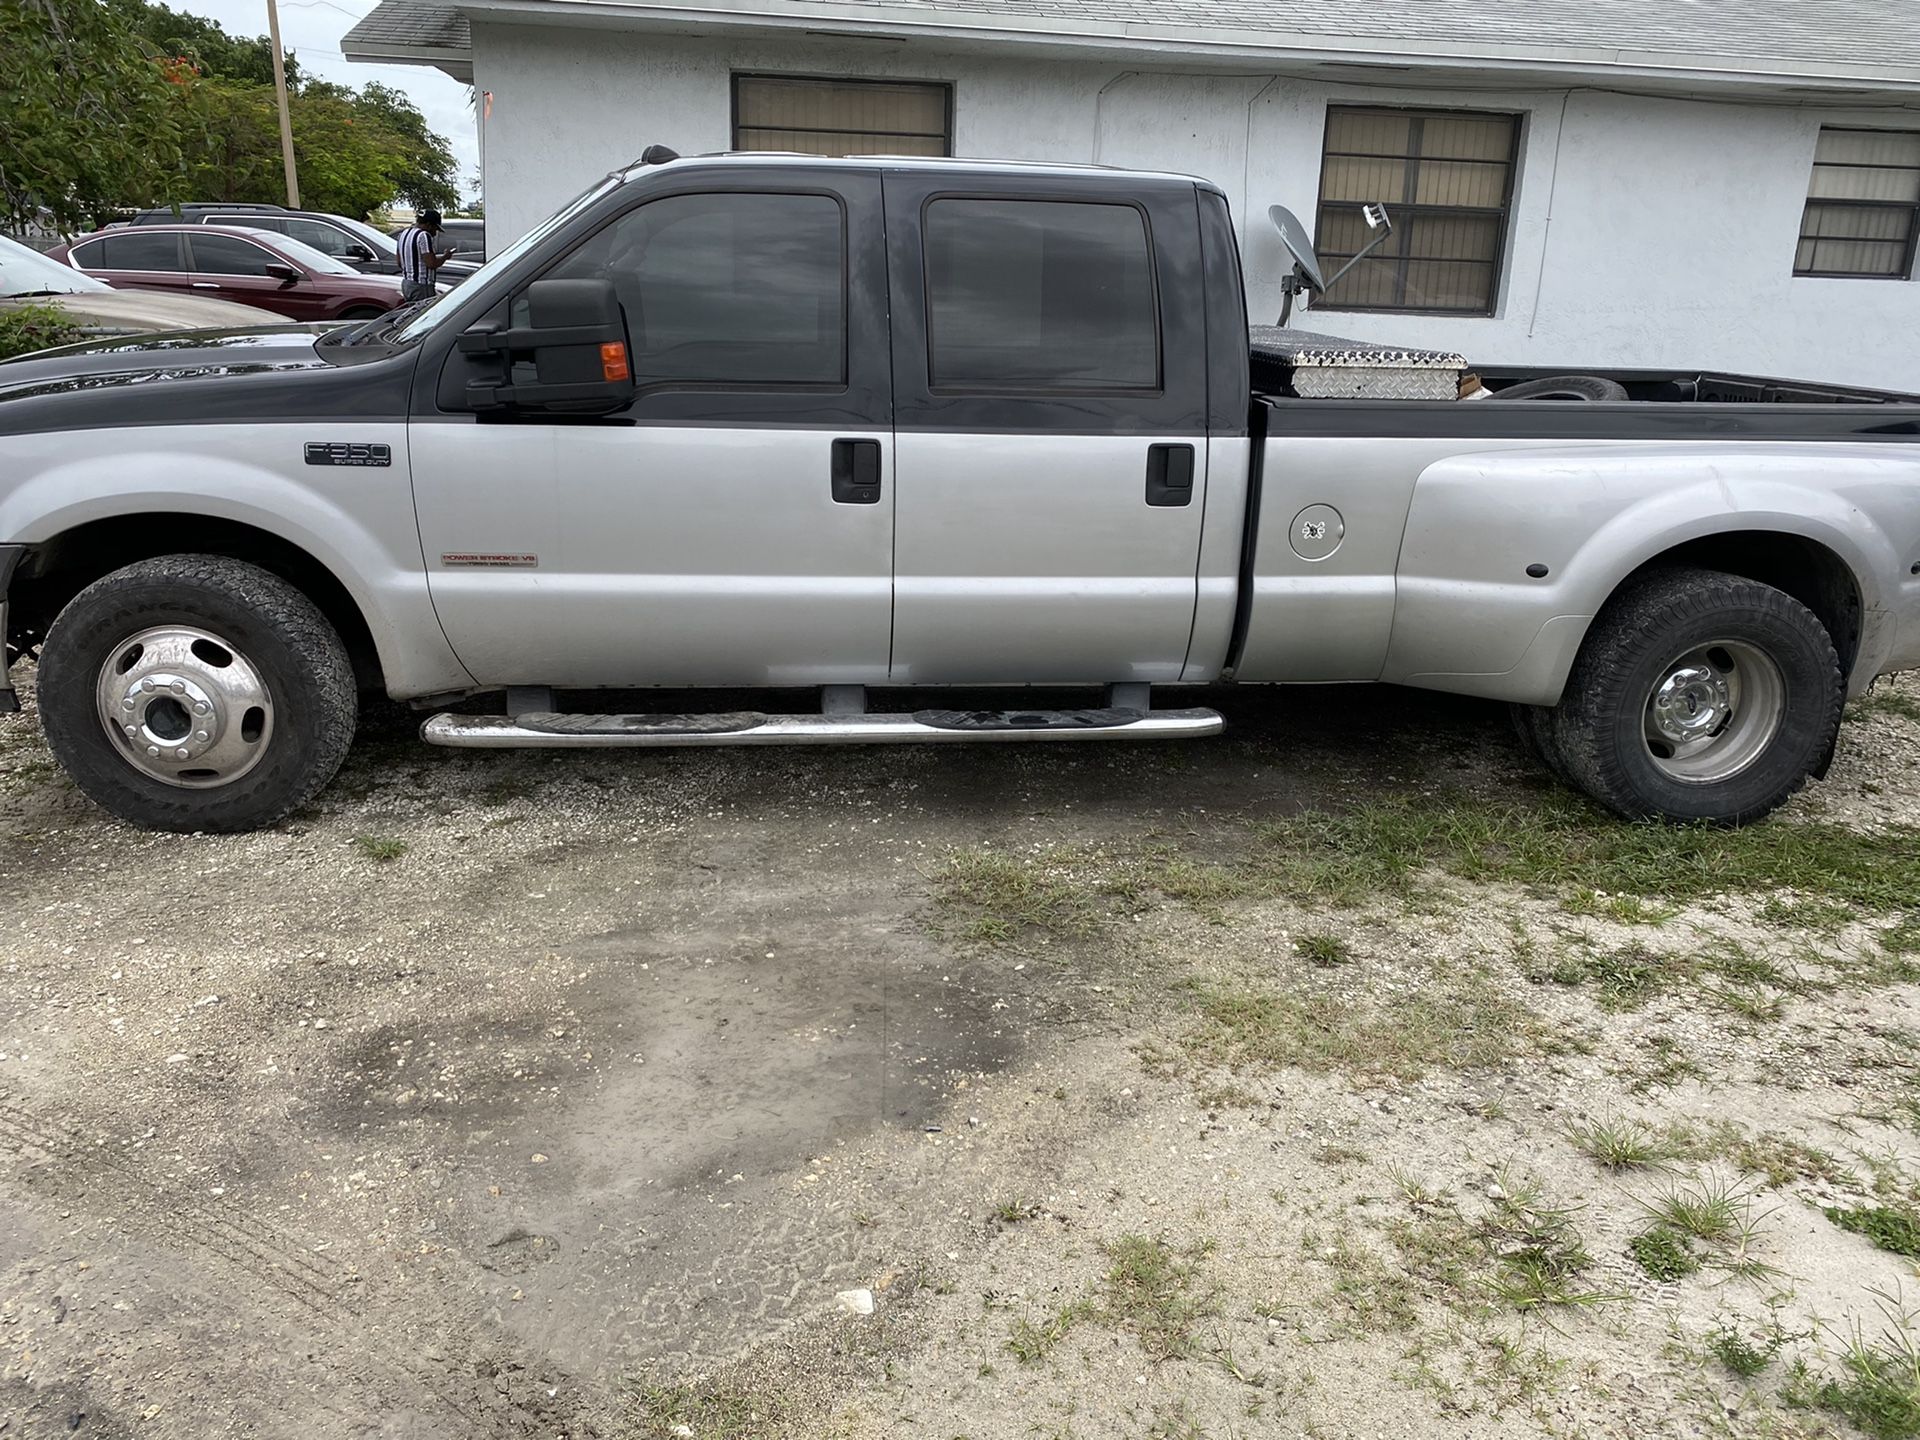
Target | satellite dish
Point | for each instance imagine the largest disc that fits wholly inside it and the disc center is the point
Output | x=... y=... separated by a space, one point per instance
x=1294 y=236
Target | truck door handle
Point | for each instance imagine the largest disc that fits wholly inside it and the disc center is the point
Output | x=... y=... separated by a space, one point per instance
x=856 y=472
x=1170 y=475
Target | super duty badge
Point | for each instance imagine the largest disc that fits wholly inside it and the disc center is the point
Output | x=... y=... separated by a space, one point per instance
x=347 y=452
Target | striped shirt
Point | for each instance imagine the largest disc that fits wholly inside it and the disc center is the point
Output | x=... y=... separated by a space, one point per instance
x=415 y=245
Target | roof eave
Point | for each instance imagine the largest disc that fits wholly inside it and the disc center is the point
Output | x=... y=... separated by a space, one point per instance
x=1162 y=44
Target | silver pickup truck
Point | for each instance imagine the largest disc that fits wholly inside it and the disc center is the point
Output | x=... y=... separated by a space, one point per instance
x=779 y=422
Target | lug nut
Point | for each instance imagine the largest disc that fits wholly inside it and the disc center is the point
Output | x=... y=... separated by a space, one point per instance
x=127 y=704
x=183 y=752
x=179 y=687
x=153 y=751
x=200 y=708
x=132 y=730
x=202 y=737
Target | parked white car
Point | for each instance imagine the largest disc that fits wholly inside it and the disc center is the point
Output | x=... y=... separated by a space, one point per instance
x=97 y=309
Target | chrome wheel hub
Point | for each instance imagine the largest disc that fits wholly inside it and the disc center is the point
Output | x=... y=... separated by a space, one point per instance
x=1714 y=711
x=184 y=707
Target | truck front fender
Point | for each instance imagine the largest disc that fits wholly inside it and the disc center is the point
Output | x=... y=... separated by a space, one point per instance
x=1510 y=554
x=355 y=521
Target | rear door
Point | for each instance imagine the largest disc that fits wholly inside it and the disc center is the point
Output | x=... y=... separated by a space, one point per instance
x=735 y=525
x=1050 y=397
x=228 y=267
x=132 y=258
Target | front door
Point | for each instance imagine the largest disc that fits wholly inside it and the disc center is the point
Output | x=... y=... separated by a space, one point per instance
x=735 y=525
x=228 y=267
x=1051 y=452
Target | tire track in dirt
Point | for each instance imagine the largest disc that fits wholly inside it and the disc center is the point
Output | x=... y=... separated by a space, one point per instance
x=463 y=1365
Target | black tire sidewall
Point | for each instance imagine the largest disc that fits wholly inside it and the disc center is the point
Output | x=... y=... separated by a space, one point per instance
x=110 y=613
x=1613 y=713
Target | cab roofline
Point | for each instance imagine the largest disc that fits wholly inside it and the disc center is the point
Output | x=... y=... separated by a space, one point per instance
x=787 y=159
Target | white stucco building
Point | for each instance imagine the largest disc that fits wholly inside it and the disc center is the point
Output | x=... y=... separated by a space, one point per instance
x=1732 y=184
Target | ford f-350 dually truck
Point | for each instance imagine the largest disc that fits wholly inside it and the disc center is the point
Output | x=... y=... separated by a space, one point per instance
x=775 y=422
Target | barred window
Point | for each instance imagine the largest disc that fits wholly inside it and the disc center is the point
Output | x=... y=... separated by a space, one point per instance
x=841 y=117
x=1446 y=177
x=1861 y=205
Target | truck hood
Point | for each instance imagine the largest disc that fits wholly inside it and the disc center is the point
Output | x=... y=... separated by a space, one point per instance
x=271 y=375
x=178 y=357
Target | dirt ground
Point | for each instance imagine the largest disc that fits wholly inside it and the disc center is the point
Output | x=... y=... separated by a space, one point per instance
x=1137 y=1091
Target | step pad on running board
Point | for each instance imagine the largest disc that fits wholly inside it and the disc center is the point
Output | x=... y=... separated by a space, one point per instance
x=567 y=732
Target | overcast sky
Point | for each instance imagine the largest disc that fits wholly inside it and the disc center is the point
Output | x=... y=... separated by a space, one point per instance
x=312 y=30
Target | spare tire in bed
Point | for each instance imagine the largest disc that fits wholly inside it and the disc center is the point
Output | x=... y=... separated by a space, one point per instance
x=1565 y=387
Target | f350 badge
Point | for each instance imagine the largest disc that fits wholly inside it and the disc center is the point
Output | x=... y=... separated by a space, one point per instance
x=348 y=452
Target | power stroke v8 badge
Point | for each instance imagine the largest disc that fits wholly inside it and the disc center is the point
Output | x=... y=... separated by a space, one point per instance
x=347 y=452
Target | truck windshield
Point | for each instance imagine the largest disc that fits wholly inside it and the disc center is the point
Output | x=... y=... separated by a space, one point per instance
x=437 y=311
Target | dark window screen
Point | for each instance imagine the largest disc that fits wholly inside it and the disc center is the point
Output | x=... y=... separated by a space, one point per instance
x=728 y=289
x=840 y=117
x=1040 y=293
x=132 y=250
x=1446 y=177
x=1862 y=205
x=225 y=255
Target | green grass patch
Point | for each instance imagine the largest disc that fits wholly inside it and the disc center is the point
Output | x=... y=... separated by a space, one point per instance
x=1885 y=700
x=1463 y=1024
x=1154 y=1291
x=381 y=849
x=1877 y=1383
x=664 y=1410
x=1663 y=1254
x=1892 y=1228
x=1743 y=1354
x=1323 y=950
x=1001 y=897
x=1618 y=1144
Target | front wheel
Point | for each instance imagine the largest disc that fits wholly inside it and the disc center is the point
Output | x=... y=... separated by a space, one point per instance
x=1699 y=696
x=196 y=692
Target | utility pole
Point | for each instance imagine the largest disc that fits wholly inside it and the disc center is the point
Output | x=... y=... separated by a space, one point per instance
x=286 y=118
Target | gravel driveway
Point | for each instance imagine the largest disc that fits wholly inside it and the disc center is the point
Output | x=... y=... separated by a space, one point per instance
x=504 y=1095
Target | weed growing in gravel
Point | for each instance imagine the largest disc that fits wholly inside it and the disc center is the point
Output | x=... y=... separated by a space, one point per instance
x=662 y=1410
x=1539 y=1253
x=1884 y=700
x=1031 y=1343
x=1324 y=950
x=380 y=848
x=1877 y=1386
x=1891 y=1228
x=1663 y=1254
x=1742 y=1353
x=1153 y=1290
x=1719 y=1214
x=1004 y=896
x=1149 y=1288
x=1469 y=1024
x=1618 y=1144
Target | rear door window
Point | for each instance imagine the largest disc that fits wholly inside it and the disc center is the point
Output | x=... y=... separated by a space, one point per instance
x=132 y=249
x=322 y=237
x=728 y=289
x=1040 y=295
x=230 y=255
x=258 y=222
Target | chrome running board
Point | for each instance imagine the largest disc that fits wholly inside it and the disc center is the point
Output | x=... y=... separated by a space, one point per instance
x=927 y=727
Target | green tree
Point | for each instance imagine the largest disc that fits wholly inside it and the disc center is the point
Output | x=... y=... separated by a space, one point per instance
x=92 y=114
x=428 y=175
x=245 y=61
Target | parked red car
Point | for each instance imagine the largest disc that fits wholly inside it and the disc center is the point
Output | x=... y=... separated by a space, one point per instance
x=230 y=262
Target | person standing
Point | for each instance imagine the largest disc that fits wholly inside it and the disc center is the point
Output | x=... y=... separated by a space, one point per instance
x=418 y=257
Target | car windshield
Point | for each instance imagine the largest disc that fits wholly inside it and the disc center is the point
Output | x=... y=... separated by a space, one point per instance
x=420 y=322
x=28 y=272
x=313 y=259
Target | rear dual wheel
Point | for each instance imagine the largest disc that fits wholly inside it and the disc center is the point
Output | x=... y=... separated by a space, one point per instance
x=196 y=692
x=1698 y=696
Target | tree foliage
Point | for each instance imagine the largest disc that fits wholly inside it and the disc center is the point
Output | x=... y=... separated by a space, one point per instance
x=120 y=103
x=92 y=115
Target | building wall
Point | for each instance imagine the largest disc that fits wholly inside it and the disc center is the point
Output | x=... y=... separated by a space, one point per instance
x=1645 y=232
